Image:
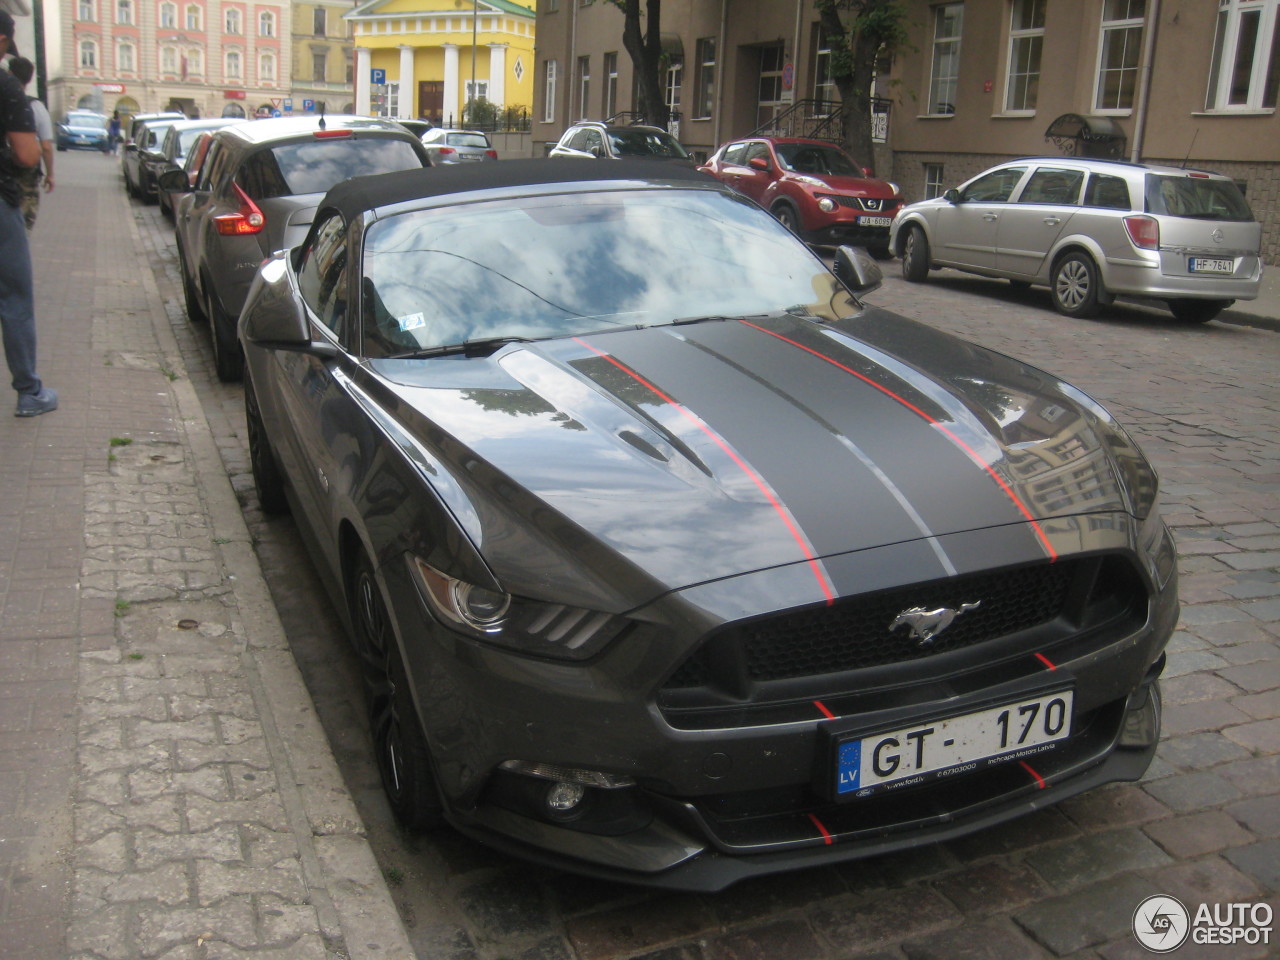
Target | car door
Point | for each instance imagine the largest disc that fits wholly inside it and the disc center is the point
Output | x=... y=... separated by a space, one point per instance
x=752 y=180
x=729 y=167
x=965 y=230
x=1030 y=225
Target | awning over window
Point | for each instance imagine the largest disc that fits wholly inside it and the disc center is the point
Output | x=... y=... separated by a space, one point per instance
x=1080 y=136
x=673 y=47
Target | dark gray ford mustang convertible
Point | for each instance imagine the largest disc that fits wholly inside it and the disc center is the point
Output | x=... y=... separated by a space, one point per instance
x=670 y=560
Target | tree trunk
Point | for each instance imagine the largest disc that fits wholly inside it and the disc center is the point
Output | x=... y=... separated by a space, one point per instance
x=646 y=59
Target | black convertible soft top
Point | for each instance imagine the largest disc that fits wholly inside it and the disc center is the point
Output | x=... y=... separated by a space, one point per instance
x=352 y=197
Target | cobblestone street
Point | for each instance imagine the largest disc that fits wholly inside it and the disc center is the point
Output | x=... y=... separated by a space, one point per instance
x=1203 y=825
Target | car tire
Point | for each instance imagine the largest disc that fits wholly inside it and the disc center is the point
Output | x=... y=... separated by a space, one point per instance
x=195 y=309
x=227 y=361
x=144 y=191
x=267 y=477
x=400 y=746
x=1075 y=286
x=1197 y=311
x=915 y=256
x=787 y=216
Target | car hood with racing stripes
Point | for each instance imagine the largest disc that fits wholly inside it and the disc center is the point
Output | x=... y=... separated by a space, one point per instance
x=688 y=453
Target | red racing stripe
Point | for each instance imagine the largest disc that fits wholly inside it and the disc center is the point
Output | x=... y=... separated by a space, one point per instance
x=826 y=837
x=800 y=539
x=1039 y=779
x=1046 y=661
x=951 y=435
x=823 y=707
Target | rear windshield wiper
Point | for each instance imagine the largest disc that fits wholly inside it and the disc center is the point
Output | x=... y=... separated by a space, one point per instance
x=481 y=347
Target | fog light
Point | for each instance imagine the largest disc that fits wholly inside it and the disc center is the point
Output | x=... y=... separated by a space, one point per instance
x=826 y=204
x=563 y=798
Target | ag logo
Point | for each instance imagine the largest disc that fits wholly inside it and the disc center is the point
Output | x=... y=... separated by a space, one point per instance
x=1161 y=924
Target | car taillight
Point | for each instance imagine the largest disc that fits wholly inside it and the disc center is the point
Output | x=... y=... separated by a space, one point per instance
x=444 y=150
x=1144 y=232
x=332 y=134
x=247 y=220
x=491 y=154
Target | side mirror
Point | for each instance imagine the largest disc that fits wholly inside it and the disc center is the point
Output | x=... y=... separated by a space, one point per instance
x=952 y=196
x=274 y=315
x=856 y=269
x=174 y=181
x=759 y=163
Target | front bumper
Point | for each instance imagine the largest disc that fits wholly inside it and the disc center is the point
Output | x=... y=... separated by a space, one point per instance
x=725 y=792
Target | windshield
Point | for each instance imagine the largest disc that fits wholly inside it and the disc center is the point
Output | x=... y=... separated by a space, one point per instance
x=559 y=266
x=815 y=158
x=1198 y=198
x=646 y=143
x=86 y=120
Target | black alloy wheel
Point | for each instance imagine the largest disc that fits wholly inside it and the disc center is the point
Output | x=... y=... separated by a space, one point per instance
x=915 y=256
x=400 y=747
x=1075 y=286
x=787 y=216
x=267 y=477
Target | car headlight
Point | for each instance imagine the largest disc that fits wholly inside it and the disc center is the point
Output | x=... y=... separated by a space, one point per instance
x=526 y=626
x=826 y=204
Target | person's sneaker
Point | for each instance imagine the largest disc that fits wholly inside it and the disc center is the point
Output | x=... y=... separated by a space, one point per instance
x=34 y=404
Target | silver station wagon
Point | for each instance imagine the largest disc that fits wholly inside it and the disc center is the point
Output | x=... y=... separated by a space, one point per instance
x=1091 y=230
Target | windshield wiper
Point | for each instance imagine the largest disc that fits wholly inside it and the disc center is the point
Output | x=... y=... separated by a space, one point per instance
x=481 y=347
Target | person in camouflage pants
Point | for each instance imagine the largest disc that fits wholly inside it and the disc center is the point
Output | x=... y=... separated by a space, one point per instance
x=30 y=180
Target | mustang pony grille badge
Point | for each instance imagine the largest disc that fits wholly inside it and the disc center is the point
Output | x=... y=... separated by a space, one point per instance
x=925 y=624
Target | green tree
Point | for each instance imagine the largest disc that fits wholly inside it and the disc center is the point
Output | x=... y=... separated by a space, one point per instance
x=860 y=33
x=645 y=50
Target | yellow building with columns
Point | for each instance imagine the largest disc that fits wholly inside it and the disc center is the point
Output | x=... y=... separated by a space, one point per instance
x=432 y=56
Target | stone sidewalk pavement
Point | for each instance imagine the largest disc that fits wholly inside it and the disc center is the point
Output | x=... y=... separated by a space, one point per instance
x=165 y=787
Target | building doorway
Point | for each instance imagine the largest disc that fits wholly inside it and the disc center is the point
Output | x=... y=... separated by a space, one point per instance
x=769 y=97
x=431 y=99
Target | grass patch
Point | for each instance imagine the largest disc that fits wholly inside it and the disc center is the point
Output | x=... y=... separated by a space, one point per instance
x=122 y=608
x=121 y=441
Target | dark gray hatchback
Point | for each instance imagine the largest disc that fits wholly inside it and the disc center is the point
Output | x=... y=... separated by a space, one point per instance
x=256 y=193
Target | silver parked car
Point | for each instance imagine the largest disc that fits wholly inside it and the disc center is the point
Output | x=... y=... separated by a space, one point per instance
x=457 y=146
x=1091 y=230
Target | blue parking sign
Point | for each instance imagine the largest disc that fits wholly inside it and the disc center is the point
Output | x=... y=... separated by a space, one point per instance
x=308 y=104
x=378 y=77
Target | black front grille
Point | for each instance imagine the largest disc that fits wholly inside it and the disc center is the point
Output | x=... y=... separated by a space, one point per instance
x=855 y=634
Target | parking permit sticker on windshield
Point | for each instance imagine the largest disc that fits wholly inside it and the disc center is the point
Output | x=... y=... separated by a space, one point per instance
x=412 y=322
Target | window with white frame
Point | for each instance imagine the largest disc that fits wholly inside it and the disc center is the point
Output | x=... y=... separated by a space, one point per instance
x=933 y=182
x=168 y=60
x=88 y=55
x=705 y=92
x=944 y=79
x=584 y=85
x=548 y=91
x=231 y=65
x=479 y=90
x=195 y=63
x=124 y=12
x=671 y=83
x=824 y=84
x=1119 y=50
x=232 y=20
x=168 y=16
x=610 y=70
x=126 y=60
x=267 y=68
x=86 y=10
x=266 y=24
x=391 y=101
x=1245 y=71
x=193 y=18
x=1026 y=42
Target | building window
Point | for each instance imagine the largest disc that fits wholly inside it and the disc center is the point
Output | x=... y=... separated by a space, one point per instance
x=610 y=101
x=1245 y=71
x=351 y=70
x=318 y=22
x=124 y=12
x=232 y=20
x=195 y=63
x=88 y=55
x=1119 y=50
x=824 y=84
x=671 y=82
x=1026 y=41
x=550 y=6
x=266 y=24
x=168 y=60
x=267 y=68
x=705 y=91
x=944 y=81
x=391 y=101
x=125 y=60
x=584 y=85
x=319 y=65
x=168 y=16
x=933 y=182
x=86 y=10
x=549 y=91
x=478 y=91
x=193 y=17
x=232 y=65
